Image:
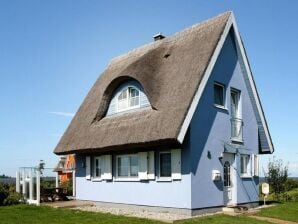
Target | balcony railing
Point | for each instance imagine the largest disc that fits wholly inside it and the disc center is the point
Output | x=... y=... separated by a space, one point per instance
x=236 y=129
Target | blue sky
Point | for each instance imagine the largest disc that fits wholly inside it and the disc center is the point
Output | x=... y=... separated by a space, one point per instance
x=51 y=52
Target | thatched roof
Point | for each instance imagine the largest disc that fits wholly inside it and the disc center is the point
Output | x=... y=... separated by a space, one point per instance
x=170 y=71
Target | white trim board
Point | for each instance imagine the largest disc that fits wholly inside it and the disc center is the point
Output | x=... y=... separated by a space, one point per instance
x=231 y=23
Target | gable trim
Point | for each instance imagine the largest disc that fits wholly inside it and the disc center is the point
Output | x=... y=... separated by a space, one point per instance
x=231 y=23
x=204 y=81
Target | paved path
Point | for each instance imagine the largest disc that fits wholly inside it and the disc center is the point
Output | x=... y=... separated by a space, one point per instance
x=272 y=220
x=68 y=204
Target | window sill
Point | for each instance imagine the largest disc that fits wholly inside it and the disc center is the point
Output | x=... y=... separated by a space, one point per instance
x=235 y=140
x=245 y=176
x=220 y=107
x=96 y=179
x=164 y=179
x=117 y=179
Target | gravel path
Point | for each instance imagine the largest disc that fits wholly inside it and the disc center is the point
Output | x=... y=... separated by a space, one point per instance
x=141 y=213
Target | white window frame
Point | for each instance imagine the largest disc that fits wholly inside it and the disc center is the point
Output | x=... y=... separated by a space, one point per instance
x=246 y=174
x=128 y=98
x=129 y=177
x=223 y=94
x=94 y=177
x=160 y=178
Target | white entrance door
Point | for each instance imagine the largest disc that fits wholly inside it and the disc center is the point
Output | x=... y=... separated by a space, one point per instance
x=229 y=179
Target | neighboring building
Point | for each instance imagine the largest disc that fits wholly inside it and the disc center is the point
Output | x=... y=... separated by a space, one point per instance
x=65 y=169
x=176 y=123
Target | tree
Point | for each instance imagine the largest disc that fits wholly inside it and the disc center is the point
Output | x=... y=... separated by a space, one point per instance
x=277 y=175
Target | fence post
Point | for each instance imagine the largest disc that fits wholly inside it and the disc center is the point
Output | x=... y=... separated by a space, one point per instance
x=38 y=186
x=24 y=184
x=31 y=185
x=18 y=181
x=74 y=183
x=57 y=179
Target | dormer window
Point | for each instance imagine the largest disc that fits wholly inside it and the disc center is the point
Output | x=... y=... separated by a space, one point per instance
x=128 y=99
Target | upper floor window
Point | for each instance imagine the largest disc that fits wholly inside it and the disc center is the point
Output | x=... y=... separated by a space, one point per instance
x=236 y=120
x=219 y=95
x=128 y=99
x=128 y=96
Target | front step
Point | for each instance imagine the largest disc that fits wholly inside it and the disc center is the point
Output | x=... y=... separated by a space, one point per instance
x=235 y=209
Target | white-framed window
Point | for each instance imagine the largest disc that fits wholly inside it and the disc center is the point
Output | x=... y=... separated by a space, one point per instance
x=236 y=116
x=255 y=165
x=127 y=166
x=97 y=168
x=219 y=95
x=245 y=165
x=128 y=98
x=169 y=165
x=165 y=164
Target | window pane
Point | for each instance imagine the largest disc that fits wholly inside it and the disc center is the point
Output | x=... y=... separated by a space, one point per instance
x=123 y=166
x=123 y=95
x=218 y=94
x=134 y=101
x=133 y=92
x=165 y=165
x=97 y=168
x=244 y=164
x=134 y=168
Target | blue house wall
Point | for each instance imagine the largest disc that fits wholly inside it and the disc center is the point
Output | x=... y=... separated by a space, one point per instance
x=174 y=194
x=211 y=128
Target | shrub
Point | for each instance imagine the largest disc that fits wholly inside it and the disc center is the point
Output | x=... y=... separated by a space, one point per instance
x=8 y=195
x=291 y=184
x=13 y=198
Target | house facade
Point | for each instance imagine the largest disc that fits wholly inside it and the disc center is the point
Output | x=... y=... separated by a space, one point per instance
x=176 y=123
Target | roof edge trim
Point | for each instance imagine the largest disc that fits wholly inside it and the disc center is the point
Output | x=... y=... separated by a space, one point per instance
x=204 y=81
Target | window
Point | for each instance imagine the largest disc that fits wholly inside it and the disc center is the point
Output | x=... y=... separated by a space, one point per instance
x=165 y=164
x=127 y=166
x=227 y=174
x=128 y=98
x=236 y=120
x=245 y=165
x=219 y=94
x=97 y=167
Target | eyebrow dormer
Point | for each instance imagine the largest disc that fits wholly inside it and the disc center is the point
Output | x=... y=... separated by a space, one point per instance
x=129 y=96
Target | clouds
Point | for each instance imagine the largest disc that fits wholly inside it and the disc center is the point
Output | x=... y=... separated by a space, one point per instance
x=59 y=113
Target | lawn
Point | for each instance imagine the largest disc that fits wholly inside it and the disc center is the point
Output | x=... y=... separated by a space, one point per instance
x=222 y=219
x=286 y=211
x=26 y=214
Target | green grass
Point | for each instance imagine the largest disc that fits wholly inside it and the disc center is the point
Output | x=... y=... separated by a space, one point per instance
x=26 y=214
x=222 y=219
x=286 y=211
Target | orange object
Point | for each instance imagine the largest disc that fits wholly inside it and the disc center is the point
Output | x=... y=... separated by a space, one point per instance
x=65 y=168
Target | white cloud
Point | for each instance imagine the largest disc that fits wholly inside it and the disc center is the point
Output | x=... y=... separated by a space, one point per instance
x=65 y=114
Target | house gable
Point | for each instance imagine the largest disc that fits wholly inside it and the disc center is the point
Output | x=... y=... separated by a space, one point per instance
x=266 y=145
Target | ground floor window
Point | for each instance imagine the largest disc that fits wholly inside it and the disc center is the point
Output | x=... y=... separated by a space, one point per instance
x=245 y=165
x=127 y=165
x=97 y=167
x=165 y=164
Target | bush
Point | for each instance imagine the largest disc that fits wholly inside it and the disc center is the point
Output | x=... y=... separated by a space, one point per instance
x=13 y=199
x=291 y=184
x=8 y=195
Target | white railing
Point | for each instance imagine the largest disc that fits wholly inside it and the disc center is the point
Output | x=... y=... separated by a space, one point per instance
x=237 y=129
